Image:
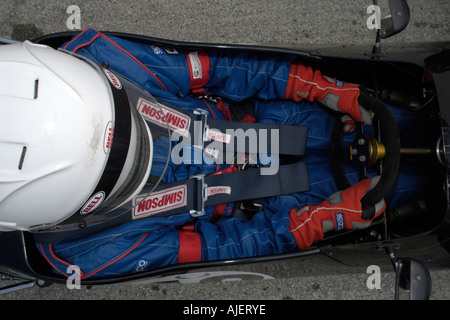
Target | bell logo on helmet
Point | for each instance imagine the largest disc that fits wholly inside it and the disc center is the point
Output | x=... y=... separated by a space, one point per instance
x=113 y=79
x=107 y=140
x=93 y=203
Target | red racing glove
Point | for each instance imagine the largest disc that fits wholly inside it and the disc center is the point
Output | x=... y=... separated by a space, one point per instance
x=341 y=211
x=305 y=83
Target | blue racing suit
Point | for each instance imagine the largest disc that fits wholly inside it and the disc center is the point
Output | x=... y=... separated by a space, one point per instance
x=178 y=78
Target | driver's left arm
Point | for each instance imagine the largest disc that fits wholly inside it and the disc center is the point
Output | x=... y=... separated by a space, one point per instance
x=244 y=75
x=231 y=75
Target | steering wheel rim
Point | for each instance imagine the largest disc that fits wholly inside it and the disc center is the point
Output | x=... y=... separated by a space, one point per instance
x=391 y=162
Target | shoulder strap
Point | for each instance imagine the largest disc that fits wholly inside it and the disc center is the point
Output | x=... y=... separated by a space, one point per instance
x=225 y=137
x=198 y=192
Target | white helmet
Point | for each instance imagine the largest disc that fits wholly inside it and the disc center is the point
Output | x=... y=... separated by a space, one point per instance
x=69 y=139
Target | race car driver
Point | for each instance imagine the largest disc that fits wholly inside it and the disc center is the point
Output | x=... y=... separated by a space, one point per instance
x=281 y=92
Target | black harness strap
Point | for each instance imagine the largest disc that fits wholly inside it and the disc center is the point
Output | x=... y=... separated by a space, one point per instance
x=289 y=140
x=198 y=192
x=229 y=136
x=221 y=139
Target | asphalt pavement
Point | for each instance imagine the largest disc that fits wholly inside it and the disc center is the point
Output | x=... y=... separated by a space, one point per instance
x=295 y=23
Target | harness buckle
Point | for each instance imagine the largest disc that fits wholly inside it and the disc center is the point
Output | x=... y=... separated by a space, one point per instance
x=201 y=196
x=200 y=131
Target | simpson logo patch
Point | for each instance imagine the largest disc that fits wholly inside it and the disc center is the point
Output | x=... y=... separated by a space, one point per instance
x=219 y=136
x=158 y=113
x=172 y=198
x=218 y=190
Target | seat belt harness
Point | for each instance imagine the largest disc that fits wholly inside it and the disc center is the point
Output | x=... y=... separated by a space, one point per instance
x=203 y=130
x=200 y=191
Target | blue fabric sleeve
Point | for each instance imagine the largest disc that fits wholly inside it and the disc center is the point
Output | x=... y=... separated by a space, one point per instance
x=240 y=76
x=166 y=73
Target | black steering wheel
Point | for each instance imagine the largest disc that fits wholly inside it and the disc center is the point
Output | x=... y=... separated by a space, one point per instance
x=366 y=151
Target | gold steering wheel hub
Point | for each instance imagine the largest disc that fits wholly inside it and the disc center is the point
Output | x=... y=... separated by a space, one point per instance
x=377 y=151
